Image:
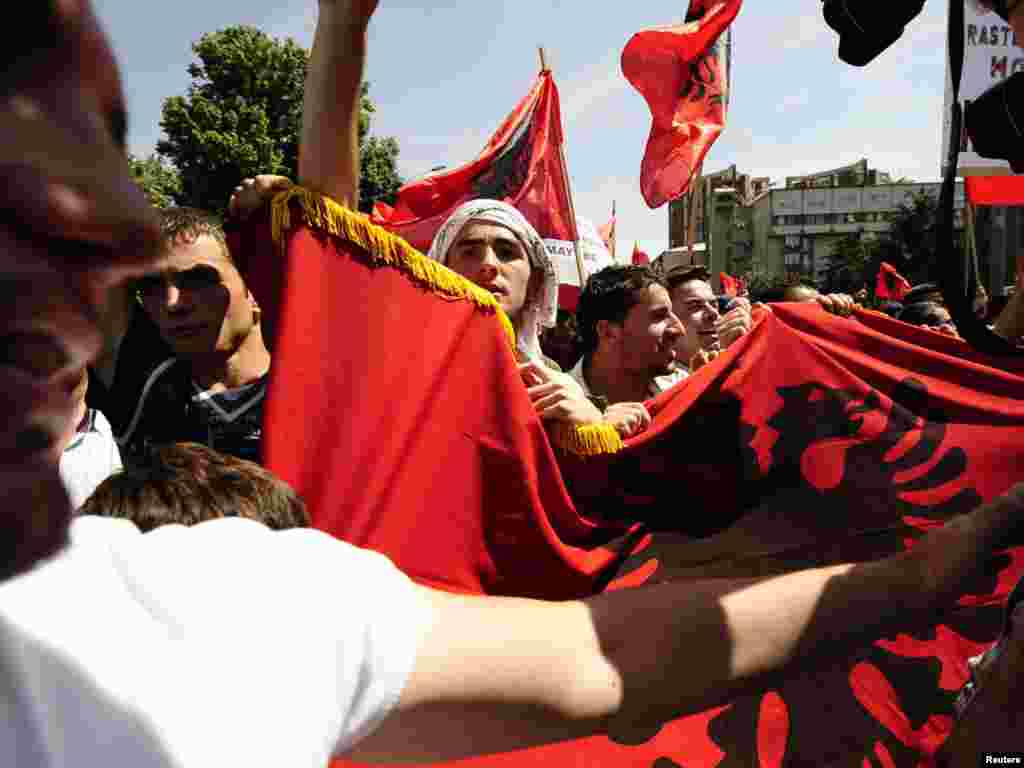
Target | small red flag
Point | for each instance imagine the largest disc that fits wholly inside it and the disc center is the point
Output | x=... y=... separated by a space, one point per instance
x=890 y=284
x=995 y=190
x=640 y=258
x=521 y=165
x=683 y=75
x=607 y=233
x=730 y=284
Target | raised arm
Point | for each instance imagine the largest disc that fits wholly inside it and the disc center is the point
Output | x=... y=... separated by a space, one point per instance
x=329 y=148
x=499 y=674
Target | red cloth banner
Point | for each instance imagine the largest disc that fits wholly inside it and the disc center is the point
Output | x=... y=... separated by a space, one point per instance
x=640 y=258
x=398 y=414
x=730 y=285
x=890 y=284
x=521 y=165
x=683 y=76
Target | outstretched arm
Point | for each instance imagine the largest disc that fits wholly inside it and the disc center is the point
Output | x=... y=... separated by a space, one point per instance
x=329 y=147
x=497 y=674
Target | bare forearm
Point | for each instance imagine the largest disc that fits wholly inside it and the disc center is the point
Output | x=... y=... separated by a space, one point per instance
x=329 y=149
x=508 y=674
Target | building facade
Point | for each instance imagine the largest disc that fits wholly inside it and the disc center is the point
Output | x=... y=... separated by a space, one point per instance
x=746 y=227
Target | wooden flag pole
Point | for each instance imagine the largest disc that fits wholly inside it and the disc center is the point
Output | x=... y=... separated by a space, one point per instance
x=577 y=245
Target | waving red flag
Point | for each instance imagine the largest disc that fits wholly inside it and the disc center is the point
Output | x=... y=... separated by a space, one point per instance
x=521 y=165
x=683 y=75
x=813 y=440
x=730 y=284
x=890 y=284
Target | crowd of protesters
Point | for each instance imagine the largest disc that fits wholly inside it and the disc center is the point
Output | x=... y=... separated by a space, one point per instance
x=161 y=366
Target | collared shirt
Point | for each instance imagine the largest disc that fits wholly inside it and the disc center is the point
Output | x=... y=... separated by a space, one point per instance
x=658 y=384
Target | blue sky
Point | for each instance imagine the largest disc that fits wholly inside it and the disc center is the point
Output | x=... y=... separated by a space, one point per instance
x=444 y=74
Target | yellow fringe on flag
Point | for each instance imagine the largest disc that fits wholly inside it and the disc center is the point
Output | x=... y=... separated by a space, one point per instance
x=386 y=249
x=324 y=214
x=591 y=440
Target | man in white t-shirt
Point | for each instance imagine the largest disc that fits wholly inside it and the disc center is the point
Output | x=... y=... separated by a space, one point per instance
x=228 y=644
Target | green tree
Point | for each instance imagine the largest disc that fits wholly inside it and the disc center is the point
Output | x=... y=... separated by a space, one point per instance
x=852 y=261
x=911 y=243
x=160 y=181
x=242 y=116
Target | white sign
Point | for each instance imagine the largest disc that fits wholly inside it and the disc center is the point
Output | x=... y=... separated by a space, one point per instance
x=563 y=255
x=990 y=56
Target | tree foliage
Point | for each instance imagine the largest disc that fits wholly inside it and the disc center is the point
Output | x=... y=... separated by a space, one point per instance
x=852 y=261
x=160 y=181
x=911 y=244
x=242 y=116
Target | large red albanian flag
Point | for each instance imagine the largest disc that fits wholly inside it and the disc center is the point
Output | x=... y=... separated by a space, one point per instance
x=683 y=75
x=397 y=412
x=521 y=165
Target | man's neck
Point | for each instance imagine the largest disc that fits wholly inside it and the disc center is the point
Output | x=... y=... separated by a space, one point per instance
x=245 y=365
x=609 y=380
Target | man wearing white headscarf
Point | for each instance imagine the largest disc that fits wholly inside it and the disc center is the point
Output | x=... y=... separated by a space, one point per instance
x=490 y=243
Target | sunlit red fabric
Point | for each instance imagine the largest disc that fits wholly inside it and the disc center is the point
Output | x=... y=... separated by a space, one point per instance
x=399 y=416
x=680 y=74
x=521 y=165
x=890 y=284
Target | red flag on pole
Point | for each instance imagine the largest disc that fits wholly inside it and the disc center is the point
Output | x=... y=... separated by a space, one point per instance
x=683 y=75
x=730 y=284
x=607 y=233
x=813 y=440
x=890 y=284
x=520 y=165
x=640 y=258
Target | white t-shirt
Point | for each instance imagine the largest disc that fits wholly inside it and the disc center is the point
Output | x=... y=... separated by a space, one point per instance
x=90 y=458
x=224 y=644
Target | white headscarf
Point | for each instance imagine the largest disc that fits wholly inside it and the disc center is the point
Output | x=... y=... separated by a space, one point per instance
x=542 y=310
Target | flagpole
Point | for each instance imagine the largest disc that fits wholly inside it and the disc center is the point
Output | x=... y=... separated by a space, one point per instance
x=576 y=246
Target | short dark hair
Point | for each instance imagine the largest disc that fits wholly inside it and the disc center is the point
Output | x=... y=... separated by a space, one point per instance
x=686 y=273
x=609 y=295
x=921 y=312
x=187 y=483
x=189 y=224
x=924 y=292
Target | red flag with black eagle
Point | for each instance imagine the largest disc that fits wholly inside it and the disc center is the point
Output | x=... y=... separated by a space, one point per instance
x=522 y=165
x=890 y=284
x=397 y=412
x=683 y=73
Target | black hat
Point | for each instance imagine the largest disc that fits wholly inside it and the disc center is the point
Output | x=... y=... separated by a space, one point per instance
x=868 y=27
x=995 y=122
